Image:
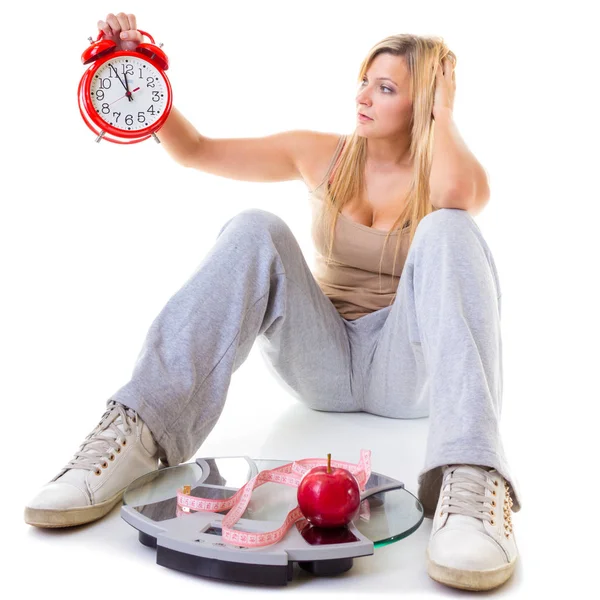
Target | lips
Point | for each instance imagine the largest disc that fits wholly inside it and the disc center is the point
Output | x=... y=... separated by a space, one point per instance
x=366 y=117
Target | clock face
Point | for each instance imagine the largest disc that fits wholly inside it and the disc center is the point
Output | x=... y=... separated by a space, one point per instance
x=128 y=93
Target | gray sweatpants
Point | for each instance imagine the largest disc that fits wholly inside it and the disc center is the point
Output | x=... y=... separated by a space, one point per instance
x=436 y=351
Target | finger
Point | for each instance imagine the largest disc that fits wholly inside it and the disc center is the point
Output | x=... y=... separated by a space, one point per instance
x=131 y=36
x=448 y=69
x=132 y=21
x=123 y=21
x=105 y=27
x=114 y=25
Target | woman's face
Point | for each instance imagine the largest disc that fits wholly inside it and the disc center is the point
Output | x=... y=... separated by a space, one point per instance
x=387 y=101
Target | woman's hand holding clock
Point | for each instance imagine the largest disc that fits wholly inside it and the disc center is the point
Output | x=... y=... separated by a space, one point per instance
x=117 y=27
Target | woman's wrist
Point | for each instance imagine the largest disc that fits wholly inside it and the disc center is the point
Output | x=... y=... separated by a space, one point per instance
x=444 y=112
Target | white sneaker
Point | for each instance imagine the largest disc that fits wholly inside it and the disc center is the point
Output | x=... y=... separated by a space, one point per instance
x=472 y=544
x=119 y=450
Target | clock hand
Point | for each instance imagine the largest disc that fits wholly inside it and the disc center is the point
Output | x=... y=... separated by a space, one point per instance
x=118 y=76
x=129 y=94
x=127 y=88
x=123 y=96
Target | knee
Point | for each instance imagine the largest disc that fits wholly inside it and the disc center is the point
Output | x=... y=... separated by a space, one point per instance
x=445 y=217
x=444 y=221
x=254 y=221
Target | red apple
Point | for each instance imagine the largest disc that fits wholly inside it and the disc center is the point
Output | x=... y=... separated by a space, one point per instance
x=329 y=497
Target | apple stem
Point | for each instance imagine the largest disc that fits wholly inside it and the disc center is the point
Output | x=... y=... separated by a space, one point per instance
x=329 y=463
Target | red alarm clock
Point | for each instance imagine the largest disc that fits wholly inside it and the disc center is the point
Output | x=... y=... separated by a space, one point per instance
x=125 y=93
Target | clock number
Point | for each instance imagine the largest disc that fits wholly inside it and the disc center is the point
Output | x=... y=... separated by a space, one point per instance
x=141 y=117
x=127 y=69
x=118 y=115
x=105 y=108
x=150 y=82
x=155 y=97
x=151 y=110
x=102 y=83
x=129 y=119
x=99 y=95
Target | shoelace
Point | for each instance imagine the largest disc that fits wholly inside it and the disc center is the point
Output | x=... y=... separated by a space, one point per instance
x=466 y=496
x=88 y=456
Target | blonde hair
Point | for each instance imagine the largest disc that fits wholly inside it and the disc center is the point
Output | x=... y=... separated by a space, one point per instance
x=422 y=55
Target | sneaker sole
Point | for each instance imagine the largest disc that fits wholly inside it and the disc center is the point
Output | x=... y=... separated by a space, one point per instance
x=52 y=518
x=470 y=580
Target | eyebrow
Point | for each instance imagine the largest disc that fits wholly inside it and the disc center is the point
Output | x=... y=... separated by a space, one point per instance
x=385 y=78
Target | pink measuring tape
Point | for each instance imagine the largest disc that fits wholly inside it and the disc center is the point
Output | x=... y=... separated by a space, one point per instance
x=288 y=474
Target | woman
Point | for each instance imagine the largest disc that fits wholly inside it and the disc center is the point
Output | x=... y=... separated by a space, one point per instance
x=353 y=335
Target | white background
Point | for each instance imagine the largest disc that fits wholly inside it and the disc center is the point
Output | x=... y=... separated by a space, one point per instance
x=97 y=237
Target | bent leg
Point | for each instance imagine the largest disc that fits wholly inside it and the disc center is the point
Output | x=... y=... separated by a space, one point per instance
x=253 y=282
x=445 y=323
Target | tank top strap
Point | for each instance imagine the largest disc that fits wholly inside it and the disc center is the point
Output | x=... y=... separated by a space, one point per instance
x=334 y=161
x=334 y=158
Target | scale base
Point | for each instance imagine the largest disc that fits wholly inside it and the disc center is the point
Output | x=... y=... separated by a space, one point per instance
x=242 y=572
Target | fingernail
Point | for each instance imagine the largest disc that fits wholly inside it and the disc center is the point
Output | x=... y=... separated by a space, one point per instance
x=123 y=35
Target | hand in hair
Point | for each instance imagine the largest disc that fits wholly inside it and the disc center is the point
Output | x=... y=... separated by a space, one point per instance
x=445 y=87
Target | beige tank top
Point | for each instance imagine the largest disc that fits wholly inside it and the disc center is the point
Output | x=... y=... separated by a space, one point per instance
x=351 y=280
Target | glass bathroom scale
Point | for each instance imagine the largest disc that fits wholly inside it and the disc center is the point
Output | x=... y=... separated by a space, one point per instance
x=192 y=541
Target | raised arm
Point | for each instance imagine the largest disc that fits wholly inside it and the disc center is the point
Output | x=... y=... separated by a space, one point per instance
x=284 y=156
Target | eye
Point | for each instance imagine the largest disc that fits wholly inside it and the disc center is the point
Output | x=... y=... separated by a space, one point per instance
x=384 y=87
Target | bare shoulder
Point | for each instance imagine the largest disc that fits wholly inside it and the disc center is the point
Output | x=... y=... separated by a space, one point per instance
x=314 y=151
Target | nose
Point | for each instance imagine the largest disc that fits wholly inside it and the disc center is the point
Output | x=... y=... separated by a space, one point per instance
x=363 y=102
x=363 y=98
